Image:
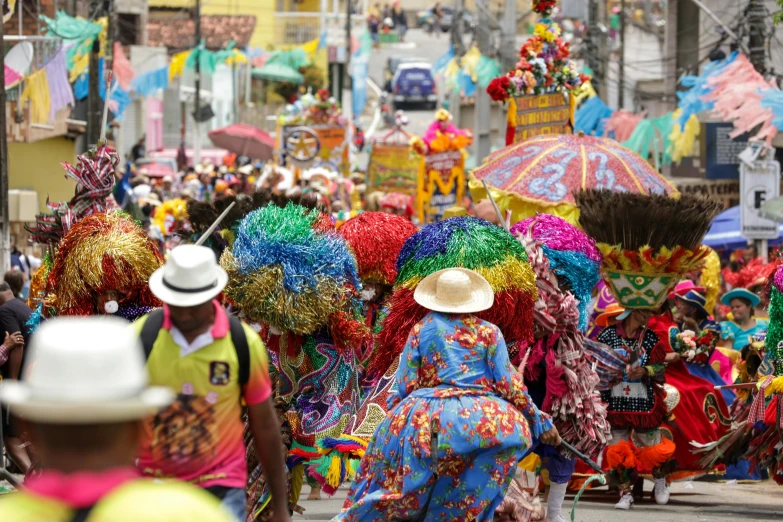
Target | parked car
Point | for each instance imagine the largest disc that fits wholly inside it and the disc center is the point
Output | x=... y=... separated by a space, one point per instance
x=426 y=20
x=393 y=63
x=414 y=83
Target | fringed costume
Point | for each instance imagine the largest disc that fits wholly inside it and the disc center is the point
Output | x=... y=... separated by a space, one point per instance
x=558 y=376
x=292 y=273
x=643 y=258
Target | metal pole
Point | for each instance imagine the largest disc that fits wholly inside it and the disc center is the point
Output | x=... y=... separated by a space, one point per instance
x=93 y=93
x=483 y=108
x=756 y=21
x=509 y=52
x=5 y=238
x=348 y=12
x=621 y=62
x=197 y=109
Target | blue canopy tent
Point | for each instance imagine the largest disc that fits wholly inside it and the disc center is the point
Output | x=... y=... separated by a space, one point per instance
x=725 y=234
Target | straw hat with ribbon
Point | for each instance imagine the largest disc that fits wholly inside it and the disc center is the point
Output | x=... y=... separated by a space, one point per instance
x=455 y=291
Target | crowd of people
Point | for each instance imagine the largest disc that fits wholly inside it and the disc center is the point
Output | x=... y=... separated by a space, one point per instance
x=271 y=327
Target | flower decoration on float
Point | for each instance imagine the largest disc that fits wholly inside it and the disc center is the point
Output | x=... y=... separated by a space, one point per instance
x=466 y=242
x=544 y=7
x=544 y=67
x=318 y=109
x=441 y=136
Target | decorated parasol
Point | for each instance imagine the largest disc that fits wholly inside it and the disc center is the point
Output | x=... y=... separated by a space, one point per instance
x=541 y=174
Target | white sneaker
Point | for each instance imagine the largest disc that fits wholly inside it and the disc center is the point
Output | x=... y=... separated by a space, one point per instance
x=661 y=491
x=626 y=501
x=557 y=518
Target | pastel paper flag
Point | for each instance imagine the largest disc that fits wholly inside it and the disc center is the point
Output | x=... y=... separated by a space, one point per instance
x=123 y=71
x=622 y=123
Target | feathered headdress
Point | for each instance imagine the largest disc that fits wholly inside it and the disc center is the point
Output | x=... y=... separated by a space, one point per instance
x=647 y=241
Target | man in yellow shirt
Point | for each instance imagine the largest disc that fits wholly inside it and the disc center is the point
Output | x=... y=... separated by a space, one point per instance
x=213 y=362
x=82 y=397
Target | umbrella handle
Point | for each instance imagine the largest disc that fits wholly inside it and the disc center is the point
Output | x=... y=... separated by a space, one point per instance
x=495 y=206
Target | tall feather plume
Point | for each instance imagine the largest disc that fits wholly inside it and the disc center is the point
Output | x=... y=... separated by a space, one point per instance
x=638 y=220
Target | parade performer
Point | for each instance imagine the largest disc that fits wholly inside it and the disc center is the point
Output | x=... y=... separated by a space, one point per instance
x=294 y=276
x=376 y=238
x=450 y=447
x=558 y=376
x=648 y=242
x=456 y=242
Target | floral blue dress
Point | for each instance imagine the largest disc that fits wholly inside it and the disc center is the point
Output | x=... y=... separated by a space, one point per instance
x=449 y=448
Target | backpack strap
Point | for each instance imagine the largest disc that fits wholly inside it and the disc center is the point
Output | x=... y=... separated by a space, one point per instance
x=150 y=330
x=81 y=514
x=239 y=339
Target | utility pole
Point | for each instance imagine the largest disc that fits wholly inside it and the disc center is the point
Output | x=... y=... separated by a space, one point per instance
x=455 y=96
x=197 y=109
x=756 y=20
x=348 y=13
x=483 y=107
x=621 y=62
x=509 y=52
x=594 y=48
x=5 y=237
x=94 y=113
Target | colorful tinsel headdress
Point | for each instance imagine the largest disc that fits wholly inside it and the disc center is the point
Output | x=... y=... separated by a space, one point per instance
x=572 y=255
x=647 y=241
x=94 y=177
x=466 y=242
x=775 y=331
x=376 y=239
x=103 y=252
x=289 y=269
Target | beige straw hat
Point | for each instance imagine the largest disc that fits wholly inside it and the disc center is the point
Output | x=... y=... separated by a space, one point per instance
x=454 y=290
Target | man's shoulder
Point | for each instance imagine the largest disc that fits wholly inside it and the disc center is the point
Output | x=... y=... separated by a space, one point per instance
x=146 y=499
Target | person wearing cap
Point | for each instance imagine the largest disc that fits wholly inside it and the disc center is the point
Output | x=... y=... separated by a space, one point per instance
x=691 y=313
x=464 y=421
x=166 y=190
x=84 y=421
x=739 y=332
x=215 y=363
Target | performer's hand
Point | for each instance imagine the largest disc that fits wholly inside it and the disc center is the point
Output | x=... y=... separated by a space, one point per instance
x=551 y=437
x=637 y=373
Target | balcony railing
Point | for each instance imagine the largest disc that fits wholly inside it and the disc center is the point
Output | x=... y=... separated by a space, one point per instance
x=298 y=28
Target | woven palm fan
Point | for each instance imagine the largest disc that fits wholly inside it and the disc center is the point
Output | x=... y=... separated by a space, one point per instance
x=647 y=241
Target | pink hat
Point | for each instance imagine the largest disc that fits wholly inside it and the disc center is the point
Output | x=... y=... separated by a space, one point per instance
x=685 y=286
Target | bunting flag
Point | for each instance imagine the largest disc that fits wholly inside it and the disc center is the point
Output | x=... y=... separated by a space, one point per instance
x=60 y=91
x=148 y=83
x=121 y=67
x=36 y=91
x=8 y=9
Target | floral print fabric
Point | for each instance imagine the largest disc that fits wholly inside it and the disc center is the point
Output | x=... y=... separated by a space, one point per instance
x=448 y=450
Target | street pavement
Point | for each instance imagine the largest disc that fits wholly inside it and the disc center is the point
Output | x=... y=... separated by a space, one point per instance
x=697 y=501
x=417 y=44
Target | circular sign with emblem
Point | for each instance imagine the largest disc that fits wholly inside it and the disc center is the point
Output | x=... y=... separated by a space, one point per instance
x=302 y=144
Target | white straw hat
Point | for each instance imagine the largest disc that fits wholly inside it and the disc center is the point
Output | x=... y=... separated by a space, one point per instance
x=454 y=290
x=85 y=370
x=190 y=277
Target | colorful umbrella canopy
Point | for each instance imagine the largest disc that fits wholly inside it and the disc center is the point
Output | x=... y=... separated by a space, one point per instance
x=541 y=174
x=244 y=140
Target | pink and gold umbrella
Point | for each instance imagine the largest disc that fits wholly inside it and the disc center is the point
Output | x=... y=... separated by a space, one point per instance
x=541 y=174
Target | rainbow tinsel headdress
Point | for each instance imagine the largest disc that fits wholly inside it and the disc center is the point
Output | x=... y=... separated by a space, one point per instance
x=289 y=269
x=466 y=242
x=775 y=331
x=572 y=255
x=376 y=239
